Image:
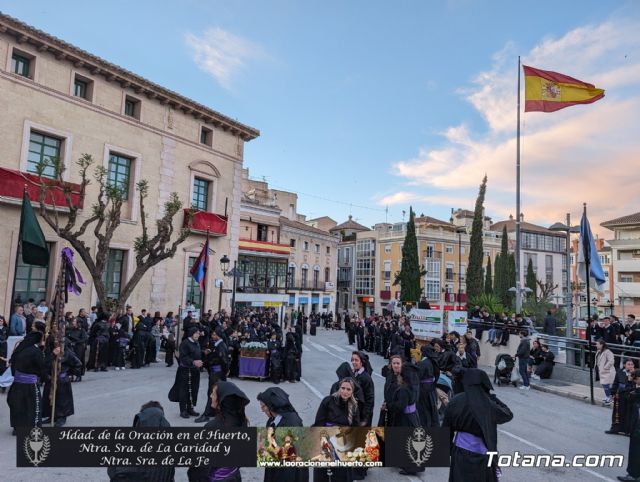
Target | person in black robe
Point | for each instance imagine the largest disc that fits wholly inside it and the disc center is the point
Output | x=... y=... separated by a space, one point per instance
x=313 y=324
x=216 y=361
x=339 y=409
x=137 y=346
x=99 y=341
x=621 y=389
x=114 y=343
x=633 y=459
x=187 y=383
x=234 y=355
x=275 y=404
x=123 y=342
x=360 y=332
x=408 y=342
x=77 y=337
x=344 y=371
x=291 y=359
x=229 y=402
x=428 y=373
x=149 y=343
x=350 y=328
x=390 y=372
x=275 y=358
x=545 y=367
x=27 y=367
x=396 y=344
x=473 y=416
x=151 y=415
x=64 y=393
x=362 y=376
x=169 y=349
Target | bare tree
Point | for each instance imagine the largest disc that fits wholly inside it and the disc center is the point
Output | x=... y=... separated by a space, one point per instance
x=103 y=220
x=546 y=290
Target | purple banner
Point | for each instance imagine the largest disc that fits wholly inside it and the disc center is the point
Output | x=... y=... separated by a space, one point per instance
x=253 y=367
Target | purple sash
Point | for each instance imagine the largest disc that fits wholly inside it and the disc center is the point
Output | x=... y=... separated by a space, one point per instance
x=470 y=442
x=427 y=380
x=123 y=341
x=410 y=409
x=329 y=424
x=26 y=378
x=62 y=376
x=216 y=368
x=222 y=473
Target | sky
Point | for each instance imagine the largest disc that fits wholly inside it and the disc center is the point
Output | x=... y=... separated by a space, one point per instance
x=367 y=107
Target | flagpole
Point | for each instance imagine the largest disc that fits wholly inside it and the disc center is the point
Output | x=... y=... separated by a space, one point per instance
x=205 y=284
x=15 y=266
x=586 y=249
x=518 y=292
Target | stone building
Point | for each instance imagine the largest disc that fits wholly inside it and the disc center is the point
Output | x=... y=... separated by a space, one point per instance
x=60 y=101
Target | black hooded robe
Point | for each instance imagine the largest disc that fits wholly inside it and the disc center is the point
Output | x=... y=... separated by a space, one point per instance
x=477 y=413
x=428 y=400
x=277 y=400
x=187 y=383
x=99 y=339
x=231 y=403
x=633 y=460
x=24 y=400
x=64 y=393
x=275 y=361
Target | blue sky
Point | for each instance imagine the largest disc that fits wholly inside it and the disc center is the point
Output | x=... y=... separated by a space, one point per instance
x=375 y=103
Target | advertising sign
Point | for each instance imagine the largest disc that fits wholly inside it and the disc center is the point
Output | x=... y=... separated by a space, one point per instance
x=426 y=323
x=458 y=322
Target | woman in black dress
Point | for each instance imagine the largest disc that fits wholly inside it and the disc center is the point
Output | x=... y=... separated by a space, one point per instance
x=339 y=409
x=391 y=373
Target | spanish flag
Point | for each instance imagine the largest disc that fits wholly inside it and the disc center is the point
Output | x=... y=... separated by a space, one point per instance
x=546 y=91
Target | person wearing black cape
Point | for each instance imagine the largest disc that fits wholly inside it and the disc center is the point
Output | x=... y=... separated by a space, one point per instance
x=338 y=409
x=428 y=373
x=472 y=417
x=64 y=394
x=622 y=389
x=138 y=345
x=275 y=404
x=27 y=367
x=217 y=364
x=633 y=459
x=274 y=348
x=362 y=375
x=187 y=383
x=291 y=359
x=229 y=402
x=99 y=340
x=151 y=415
x=390 y=372
x=77 y=337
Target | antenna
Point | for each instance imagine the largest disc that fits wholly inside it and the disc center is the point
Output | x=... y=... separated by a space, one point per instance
x=386 y=214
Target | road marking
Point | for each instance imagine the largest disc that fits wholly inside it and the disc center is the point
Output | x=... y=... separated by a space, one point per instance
x=549 y=452
x=337 y=348
x=312 y=388
x=316 y=346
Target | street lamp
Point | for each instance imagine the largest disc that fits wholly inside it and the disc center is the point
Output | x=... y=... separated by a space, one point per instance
x=224 y=266
x=460 y=230
x=567 y=228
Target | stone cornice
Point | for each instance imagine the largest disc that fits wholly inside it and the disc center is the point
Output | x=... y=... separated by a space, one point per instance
x=64 y=51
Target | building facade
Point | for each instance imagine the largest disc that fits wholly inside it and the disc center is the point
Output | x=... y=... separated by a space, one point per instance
x=59 y=101
x=601 y=302
x=625 y=257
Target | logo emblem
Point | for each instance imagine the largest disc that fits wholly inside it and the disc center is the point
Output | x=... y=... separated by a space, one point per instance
x=36 y=446
x=419 y=446
x=550 y=90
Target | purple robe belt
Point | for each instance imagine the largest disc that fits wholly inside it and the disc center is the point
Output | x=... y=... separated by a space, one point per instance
x=26 y=378
x=427 y=380
x=410 y=409
x=62 y=376
x=123 y=341
x=329 y=424
x=216 y=368
x=222 y=473
x=470 y=442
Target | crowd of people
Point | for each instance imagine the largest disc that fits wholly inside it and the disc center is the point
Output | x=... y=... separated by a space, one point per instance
x=437 y=385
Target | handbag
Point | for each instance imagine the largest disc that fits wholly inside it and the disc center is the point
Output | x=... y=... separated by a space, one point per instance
x=515 y=376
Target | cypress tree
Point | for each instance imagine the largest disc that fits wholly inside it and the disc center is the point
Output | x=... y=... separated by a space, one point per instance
x=488 y=287
x=531 y=279
x=502 y=270
x=496 y=276
x=476 y=251
x=511 y=277
x=409 y=276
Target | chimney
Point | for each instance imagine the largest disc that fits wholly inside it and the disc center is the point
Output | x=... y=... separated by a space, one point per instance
x=521 y=217
x=510 y=217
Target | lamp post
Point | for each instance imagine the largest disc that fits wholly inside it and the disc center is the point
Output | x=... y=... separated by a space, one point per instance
x=224 y=265
x=459 y=231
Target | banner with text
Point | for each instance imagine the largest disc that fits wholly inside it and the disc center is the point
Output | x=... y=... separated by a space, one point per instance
x=457 y=321
x=426 y=323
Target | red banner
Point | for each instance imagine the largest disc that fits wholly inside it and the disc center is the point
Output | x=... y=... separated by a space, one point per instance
x=13 y=183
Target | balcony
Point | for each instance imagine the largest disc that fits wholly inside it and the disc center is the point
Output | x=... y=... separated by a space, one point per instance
x=385 y=295
x=386 y=275
x=627 y=290
x=264 y=247
x=203 y=221
x=309 y=285
x=13 y=183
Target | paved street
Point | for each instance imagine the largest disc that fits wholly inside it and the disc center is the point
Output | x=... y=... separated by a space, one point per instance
x=543 y=423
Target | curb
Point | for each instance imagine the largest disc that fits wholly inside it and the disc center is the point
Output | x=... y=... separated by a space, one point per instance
x=565 y=393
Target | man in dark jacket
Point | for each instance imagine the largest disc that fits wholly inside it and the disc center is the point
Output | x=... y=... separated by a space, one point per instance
x=549 y=326
x=523 y=354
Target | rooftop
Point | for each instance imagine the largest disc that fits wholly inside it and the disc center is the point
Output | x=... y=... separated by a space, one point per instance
x=629 y=220
x=350 y=224
x=524 y=226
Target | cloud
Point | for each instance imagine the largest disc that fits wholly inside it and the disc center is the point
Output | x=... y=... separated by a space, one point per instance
x=580 y=154
x=221 y=54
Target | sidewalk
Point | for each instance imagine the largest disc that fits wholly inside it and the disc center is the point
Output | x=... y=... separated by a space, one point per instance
x=575 y=391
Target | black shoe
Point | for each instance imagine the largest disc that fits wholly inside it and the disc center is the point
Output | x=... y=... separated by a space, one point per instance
x=184 y=414
x=13 y=432
x=193 y=413
x=103 y=369
x=627 y=478
x=611 y=432
x=61 y=422
x=201 y=419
